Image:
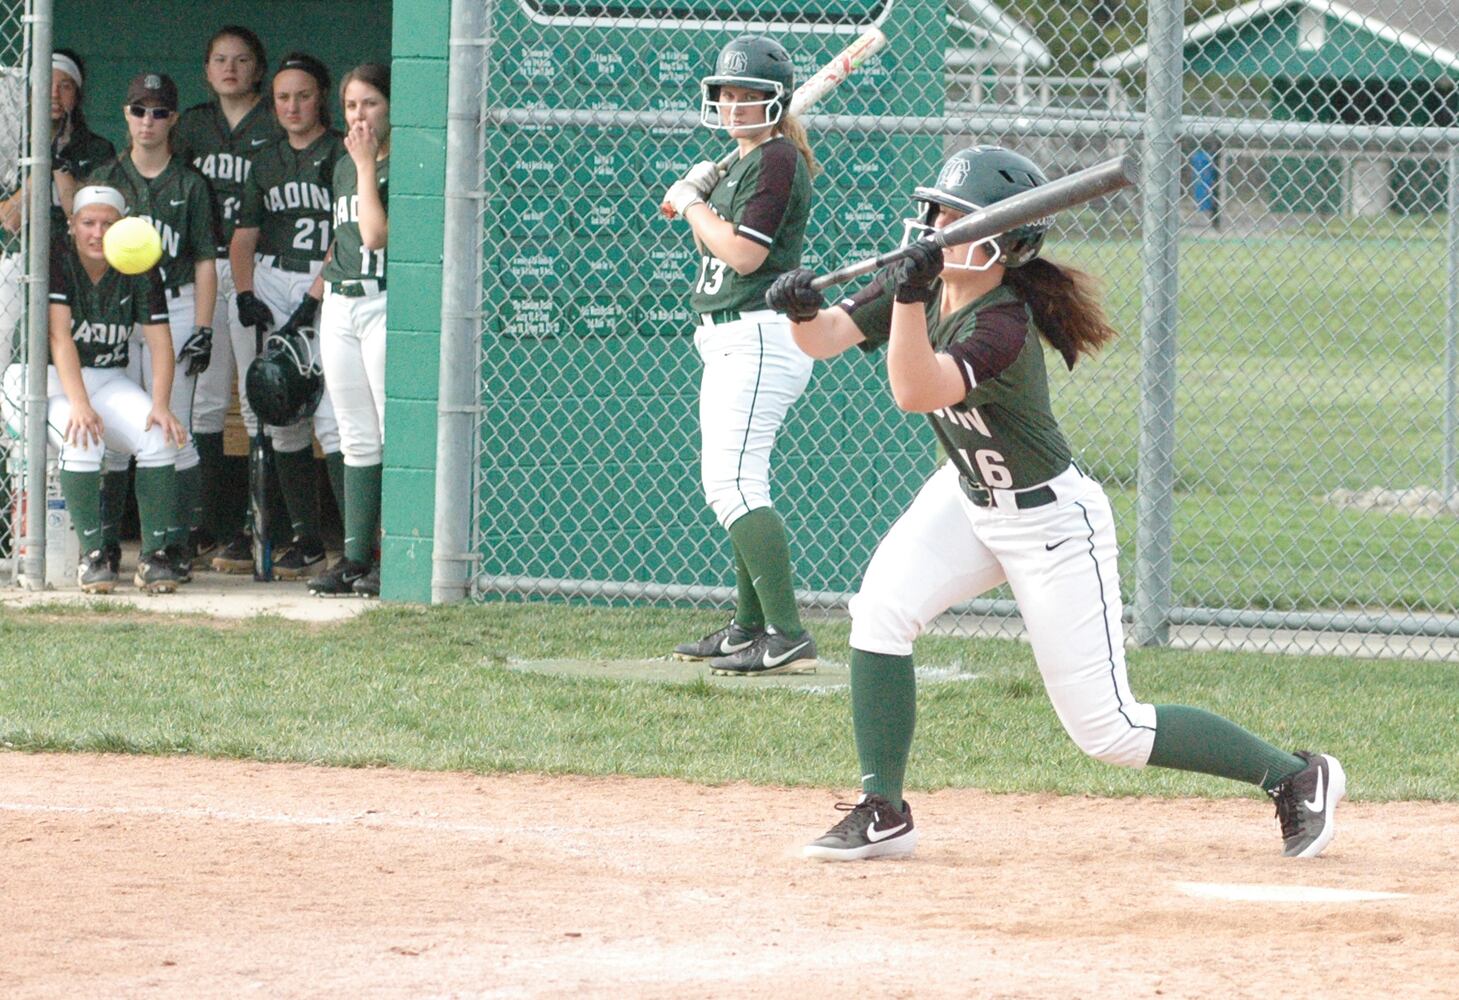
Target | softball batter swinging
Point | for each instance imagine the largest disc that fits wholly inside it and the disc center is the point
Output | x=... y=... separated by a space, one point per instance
x=748 y=224
x=174 y=197
x=962 y=329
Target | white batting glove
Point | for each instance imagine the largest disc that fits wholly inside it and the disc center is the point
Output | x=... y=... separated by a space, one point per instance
x=703 y=177
x=680 y=196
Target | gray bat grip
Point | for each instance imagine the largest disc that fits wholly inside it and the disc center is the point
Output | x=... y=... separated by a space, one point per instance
x=1057 y=195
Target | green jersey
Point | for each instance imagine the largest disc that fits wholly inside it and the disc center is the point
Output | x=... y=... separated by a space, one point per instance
x=82 y=153
x=178 y=204
x=224 y=154
x=1004 y=430
x=352 y=260
x=103 y=313
x=767 y=195
x=287 y=198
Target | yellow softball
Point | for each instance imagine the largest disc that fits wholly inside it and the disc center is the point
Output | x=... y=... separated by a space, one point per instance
x=132 y=246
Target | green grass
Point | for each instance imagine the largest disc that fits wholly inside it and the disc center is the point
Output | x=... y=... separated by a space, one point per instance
x=428 y=689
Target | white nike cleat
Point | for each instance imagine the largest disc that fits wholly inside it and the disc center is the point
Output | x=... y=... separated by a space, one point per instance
x=1306 y=802
x=770 y=653
x=871 y=829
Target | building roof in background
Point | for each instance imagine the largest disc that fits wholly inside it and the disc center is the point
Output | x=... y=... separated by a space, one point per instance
x=981 y=33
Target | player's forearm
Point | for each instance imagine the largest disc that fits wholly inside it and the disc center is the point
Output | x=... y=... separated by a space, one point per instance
x=66 y=188
x=240 y=257
x=159 y=344
x=205 y=293
x=913 y=369
x=720 y=239
x=11 y=208
x=374 y=225
x=830 y=333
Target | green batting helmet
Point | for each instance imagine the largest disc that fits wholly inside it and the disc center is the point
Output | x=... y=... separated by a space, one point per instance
x=975 y=178
x=285 y=382
x=755 y=62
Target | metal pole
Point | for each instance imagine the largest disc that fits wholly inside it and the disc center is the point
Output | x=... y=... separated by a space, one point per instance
x=1161 y=225
x=37 y=275
x=457 y=398
x=1451 y=342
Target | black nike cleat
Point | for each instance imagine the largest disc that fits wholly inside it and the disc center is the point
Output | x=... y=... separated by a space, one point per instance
x=155 y=573
x=94 y=574
x=771 y=653
x=728 y=640
x=1306 y=802
x=236 y=556
x=304 y=557
x=871 y=829
x=339 y=579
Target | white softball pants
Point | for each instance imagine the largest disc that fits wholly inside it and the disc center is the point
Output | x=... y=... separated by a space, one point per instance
x=122 y=405
x=352 y=337
x=181 y=309
x=215 y=384
x=1059 y=560
x=282 y=291
x=753 y=373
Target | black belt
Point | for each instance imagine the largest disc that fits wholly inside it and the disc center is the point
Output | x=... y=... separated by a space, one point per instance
x=299 y=265
x=723 y=316
x=352 y=289
x=1039 y=496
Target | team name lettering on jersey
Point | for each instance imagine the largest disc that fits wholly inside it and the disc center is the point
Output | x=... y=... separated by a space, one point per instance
x=966 y=417
x=113 y=335
x=171 y=238
x=224 y=167
x=346 y=209
x=298 y=194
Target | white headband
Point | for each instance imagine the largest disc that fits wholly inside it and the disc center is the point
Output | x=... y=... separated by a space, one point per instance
x=66 y=65
x=99 y=194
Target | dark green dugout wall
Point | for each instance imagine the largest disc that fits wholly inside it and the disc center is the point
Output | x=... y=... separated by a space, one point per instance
x=120 y=40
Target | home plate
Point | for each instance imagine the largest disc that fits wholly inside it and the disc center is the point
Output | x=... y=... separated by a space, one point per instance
x=1252 y=893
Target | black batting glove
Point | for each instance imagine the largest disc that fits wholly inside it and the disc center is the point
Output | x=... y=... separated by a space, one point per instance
x=791 y=294
x=301 y=320
x=252 y=312
x=917 y=271
x=197 y=351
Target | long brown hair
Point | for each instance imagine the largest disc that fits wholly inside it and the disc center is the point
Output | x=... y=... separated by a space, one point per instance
x=793 y=129
x=1065 y=306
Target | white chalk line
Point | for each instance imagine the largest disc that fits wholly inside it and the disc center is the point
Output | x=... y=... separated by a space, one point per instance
x=365 y=821
x=1240 y=892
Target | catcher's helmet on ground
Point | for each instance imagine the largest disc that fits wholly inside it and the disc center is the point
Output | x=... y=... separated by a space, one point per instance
x=286 y=381
x=975 y=178
x=755 y=62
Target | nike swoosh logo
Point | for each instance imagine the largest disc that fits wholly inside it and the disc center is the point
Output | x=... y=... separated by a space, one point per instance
x=874 y=835
x=726 y=647
x=1315 y=805
x=789 y=654
x=257 y=142
x=1050 y=548
x=318 y=162
x=125 y=301
x=174 y=204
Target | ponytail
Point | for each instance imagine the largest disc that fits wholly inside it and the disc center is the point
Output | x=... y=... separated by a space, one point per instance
x=790 y=126
x=1065 y=305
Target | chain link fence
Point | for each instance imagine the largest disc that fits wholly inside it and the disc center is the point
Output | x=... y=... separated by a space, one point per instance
x=1275 y=427
x=15 y=130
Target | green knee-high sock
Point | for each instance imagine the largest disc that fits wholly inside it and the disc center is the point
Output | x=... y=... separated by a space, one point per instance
x=82 y=491
x=296 y=479
x=334 y=469
x=210 y=461
x=1192 y=739
x=113 y=505
x=185 y=504
x=156 y=500
x=361 y=511
x=748 y=611
x=760 y=539
x=884 y=715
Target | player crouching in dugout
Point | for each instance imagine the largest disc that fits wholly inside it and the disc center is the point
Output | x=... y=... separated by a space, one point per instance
x=93 y=405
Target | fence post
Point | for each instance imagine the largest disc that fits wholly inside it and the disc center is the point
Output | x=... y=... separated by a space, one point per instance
x=458 y=400
x=38 y=209
x=1451 y=340
x=1160 y=180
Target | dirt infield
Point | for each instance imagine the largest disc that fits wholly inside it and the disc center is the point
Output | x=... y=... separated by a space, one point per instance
x=128 y=876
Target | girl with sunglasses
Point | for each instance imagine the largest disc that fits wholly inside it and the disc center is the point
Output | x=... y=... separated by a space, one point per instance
x=174 y=197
